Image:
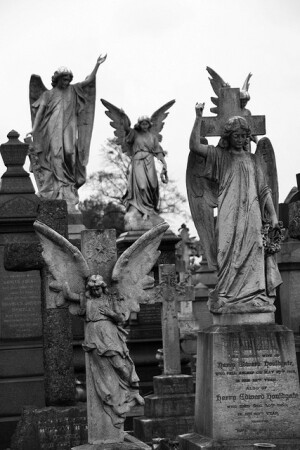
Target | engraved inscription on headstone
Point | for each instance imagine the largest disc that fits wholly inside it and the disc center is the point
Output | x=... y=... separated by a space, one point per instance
x=20 y=304
x=255 y=385
x=150 y=314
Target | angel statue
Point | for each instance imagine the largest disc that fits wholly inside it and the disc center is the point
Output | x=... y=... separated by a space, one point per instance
x=105 y=309
x=141 y=143
x=234 y=180
x=62 y=125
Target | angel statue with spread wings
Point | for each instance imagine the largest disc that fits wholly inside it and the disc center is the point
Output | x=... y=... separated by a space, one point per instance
x=62 y=125
x=238 y=183
x=141 y=143
x=105 y=309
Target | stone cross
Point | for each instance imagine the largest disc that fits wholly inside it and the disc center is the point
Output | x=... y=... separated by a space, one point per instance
x=229 y=105
x=169 y=292
x=100 y=252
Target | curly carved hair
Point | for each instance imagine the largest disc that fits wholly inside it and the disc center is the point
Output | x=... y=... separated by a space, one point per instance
x=233 y=124
x=59 y=73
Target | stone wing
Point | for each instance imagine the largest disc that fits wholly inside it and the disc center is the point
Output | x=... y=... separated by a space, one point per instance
x=265 y=155
x=36 y=88
x=217 y=83
x=132 y=268
x=158 y=118
x=64 y=261
x=120 y=122
x=202 y=196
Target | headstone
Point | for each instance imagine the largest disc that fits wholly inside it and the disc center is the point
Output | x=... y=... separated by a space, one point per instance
x=247 y=386
x=169 y=411
x=21 y=369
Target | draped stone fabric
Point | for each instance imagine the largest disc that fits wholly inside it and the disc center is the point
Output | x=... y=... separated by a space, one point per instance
x=62 y=140
x=142 y=190
x=240 y=253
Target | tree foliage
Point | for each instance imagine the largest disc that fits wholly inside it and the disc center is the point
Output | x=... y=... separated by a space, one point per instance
x=108 y=186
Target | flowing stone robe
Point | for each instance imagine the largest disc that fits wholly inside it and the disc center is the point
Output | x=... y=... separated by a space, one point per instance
x=240 y=253
x=62 y=139
x=143 y=190
x=113 y=371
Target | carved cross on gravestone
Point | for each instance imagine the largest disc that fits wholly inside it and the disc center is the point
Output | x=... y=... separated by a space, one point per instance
x=229 y=105
x=169 y=292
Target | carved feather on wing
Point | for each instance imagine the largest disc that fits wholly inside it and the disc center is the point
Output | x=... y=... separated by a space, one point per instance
x=158 y=118
x=36 y=88
x=64 y=261
x=132 y=268
x=265 y=156
x=202 y=196
x=120 y=122
x=217 y=83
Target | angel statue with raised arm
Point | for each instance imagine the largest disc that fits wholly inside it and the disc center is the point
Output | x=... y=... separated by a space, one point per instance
x=232 y=179
x=62 y=125
x=105 y=308
x=142 y=144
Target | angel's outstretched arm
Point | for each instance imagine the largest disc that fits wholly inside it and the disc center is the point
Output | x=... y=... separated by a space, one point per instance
x=195 y=143
x=90 y=78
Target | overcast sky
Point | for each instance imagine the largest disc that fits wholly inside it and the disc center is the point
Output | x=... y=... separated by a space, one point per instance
x=158 y=50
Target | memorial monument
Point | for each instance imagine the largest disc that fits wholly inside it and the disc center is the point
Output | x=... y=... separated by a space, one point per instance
x=62 y=125
x=105 y=302
x=247 y=386
x=142 y=144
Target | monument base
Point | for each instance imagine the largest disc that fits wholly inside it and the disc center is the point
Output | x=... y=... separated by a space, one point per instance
x=247 y=392
x=194 y=441
x=129 y=443
x=169 y=411
x=50 y=427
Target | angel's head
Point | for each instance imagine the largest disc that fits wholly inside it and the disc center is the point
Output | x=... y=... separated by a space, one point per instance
x=236 y=133
x=62 y=77
x=244 y=98
x=96 y=285
x=143 y=124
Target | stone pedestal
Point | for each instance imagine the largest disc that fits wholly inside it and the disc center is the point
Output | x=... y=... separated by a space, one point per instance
x=129 y=443
x=169 y=411
x=289 y=266
x=248 y=391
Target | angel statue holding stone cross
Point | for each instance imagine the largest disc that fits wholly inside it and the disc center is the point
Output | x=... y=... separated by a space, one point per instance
x=241 y=246
x=105 y=307
x=142 y=144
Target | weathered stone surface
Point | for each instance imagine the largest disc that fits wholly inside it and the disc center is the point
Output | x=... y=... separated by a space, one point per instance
x=168 y=427
x=169 y=405
x=194 y=441
x=249 y=388
x=50 y=428
x=294 y=219
x=173 y=384
x=289 y=266
x=129 y=443
x=58 y=363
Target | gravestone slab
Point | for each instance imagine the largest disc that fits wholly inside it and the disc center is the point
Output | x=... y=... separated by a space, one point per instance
x=248 y=391
x=51 y=428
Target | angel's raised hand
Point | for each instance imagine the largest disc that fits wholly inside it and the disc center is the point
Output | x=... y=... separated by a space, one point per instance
x=101 y=59
x=199 y=109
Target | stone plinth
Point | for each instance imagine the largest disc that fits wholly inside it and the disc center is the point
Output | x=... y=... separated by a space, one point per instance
x=169 y=411
x=289 y=266
x=248 y=390
x=50 y=428
x=129 y=443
